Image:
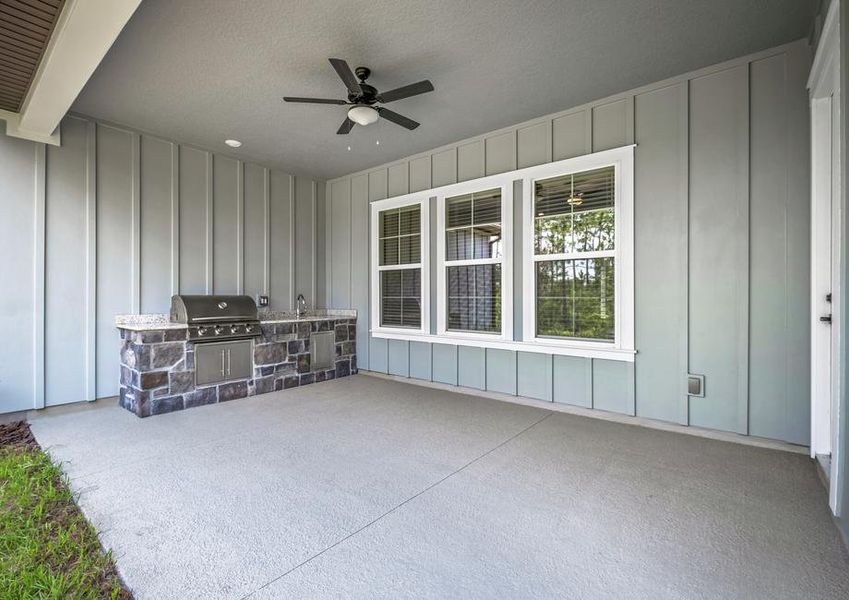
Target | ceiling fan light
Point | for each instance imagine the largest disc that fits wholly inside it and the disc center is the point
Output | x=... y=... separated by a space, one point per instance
x=362 y=115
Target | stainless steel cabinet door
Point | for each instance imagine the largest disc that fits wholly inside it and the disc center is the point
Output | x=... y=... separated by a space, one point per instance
x=239 y=361
x=323 y=350
x=210 y=363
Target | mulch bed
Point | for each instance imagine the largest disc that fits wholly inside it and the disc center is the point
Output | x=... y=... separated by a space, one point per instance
x=17 y=434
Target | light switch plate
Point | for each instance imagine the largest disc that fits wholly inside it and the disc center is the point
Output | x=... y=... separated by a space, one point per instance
x=261 y=300
x=696 y=385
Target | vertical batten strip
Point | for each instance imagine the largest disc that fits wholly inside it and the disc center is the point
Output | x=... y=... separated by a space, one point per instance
x=210 y=224
x=38 y=280
x=327 y=259
x=369 y=297
x=549 y=158
x=135 y=243
x=683 y=275
x=430 y=170
x=240 y=227
x=328 y=241
x=313 y=202
x=328 y=250
x=552 y=366
x=588 y=130
x=744 y=239
x=91 y=263
x=266 y=207
x=175 y=219
x=630 y=134
x=292 y=245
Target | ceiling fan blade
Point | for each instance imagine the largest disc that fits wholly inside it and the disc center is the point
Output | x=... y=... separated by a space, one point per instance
x=396 y=118
x=346 y=127
x=414 y=89
x=346 y=75
x=313 y=100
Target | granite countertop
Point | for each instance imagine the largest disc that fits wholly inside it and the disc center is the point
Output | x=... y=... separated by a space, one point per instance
x=151 y=322
x=319 y=314
x=161 y=321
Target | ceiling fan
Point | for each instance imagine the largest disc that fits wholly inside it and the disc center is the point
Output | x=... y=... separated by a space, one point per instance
x=363 y=98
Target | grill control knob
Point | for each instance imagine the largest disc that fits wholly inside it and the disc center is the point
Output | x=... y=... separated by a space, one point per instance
x=218 y=329
x=249 y=328
x=201 y=330
x=234 y=328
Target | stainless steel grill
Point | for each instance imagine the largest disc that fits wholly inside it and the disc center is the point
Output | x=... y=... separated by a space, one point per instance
x=216 y=317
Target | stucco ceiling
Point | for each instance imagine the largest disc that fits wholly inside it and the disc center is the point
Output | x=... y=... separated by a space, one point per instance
x=201 y=71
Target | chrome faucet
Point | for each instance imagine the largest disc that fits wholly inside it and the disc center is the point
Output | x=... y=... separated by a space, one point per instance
x=300 y=306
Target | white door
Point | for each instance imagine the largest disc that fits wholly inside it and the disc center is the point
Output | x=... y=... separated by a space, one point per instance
x=826 y=225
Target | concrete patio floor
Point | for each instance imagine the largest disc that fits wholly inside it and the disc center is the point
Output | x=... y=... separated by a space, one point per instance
x=367 y=488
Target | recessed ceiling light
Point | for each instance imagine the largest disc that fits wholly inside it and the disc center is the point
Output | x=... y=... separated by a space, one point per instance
x=377 y=142
x=233 y=143
x=349 y=148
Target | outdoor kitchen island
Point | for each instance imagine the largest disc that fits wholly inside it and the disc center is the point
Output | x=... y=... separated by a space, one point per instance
x=165 y=367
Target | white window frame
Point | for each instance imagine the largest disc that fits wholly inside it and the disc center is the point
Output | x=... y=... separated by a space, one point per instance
x=622 y=160
x=621 y=349
x=423 y=201
x=505 y=185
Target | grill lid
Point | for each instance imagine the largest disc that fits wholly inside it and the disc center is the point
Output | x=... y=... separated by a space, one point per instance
x=212 y=309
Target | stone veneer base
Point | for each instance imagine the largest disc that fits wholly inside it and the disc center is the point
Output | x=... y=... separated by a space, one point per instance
x=158 y=370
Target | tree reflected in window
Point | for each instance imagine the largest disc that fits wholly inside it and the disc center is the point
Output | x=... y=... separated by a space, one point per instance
x=574 y=248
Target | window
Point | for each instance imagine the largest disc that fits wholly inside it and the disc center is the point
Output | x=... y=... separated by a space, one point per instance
x=574 y=240
x=399 y=253
x=472 y=277
x=578 y=252
x=400 y=287
x=473 y=254
x=575 y=260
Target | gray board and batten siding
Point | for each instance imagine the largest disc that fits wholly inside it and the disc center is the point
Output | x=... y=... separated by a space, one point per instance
x=116 y=221
x=722 y=220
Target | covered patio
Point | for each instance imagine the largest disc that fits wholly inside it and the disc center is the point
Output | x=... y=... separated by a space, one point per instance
x=366 y=488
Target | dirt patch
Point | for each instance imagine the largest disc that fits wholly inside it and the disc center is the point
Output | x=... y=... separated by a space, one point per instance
x=17 y=434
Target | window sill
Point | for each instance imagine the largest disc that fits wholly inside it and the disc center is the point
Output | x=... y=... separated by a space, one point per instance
x=559 y=348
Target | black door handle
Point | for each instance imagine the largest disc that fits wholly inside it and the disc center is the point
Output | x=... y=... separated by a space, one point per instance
x=826 y=319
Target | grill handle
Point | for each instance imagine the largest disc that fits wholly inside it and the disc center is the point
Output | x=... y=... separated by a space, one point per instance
x=204 y=319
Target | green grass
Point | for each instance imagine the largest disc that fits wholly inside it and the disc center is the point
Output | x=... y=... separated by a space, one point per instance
x=47 y=548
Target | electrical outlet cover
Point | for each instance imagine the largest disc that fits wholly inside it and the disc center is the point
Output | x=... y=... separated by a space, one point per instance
x=696 y=385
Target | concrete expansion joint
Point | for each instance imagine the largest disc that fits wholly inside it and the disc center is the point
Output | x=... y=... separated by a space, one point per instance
x=400 y=505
